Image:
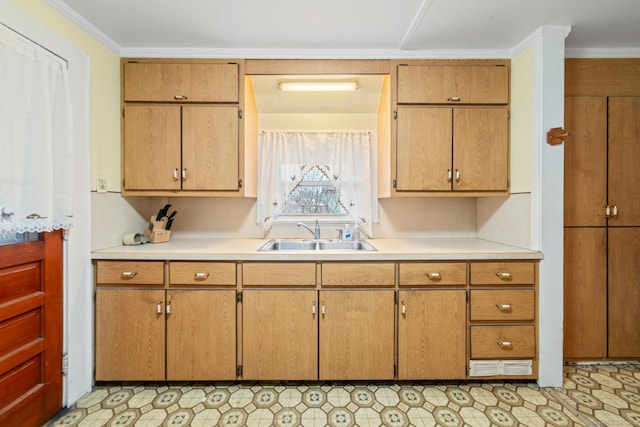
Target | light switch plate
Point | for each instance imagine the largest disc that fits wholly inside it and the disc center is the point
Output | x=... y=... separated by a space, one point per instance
x=101 y=184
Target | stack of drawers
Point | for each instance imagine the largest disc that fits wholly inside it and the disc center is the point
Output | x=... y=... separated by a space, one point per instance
x=502 y=318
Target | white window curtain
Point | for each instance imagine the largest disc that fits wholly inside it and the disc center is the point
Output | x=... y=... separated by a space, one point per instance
x=285 y=156
x=36 y=137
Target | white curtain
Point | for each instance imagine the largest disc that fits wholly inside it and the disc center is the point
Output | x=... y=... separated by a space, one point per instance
x=345 y=156
x=36 y=137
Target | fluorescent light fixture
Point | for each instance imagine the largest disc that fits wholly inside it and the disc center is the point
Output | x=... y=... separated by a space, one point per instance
x=318 y=86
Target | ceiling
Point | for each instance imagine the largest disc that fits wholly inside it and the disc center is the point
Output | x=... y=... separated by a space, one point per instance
x=353 y=28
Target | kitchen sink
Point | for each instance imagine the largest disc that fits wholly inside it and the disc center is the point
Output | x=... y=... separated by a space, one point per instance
x=316 y=245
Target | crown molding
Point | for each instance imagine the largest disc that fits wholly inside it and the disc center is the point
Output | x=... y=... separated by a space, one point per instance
x=72 y=15
x=544 y=32
x=631 y=52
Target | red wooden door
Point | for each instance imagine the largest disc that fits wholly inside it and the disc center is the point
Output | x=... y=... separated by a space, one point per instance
x=31 y=331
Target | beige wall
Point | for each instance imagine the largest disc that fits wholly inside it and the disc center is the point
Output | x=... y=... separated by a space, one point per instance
x=521 y=104
x=104 y=96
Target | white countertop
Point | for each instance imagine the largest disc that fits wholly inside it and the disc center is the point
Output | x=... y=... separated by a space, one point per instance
x=203 y=249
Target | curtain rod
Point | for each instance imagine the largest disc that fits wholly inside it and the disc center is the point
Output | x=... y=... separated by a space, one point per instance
x=35 y=42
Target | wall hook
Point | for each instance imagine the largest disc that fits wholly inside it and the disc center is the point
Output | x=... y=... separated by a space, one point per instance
x=556 y=136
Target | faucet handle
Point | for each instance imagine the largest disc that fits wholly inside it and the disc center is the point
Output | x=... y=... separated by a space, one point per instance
x=340 y=233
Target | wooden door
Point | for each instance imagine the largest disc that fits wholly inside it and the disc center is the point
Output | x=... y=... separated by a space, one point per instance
x=152 y=147
x=201 y=335
x=423 y=149
x=130 y=334
x=480 y=149
x=585 y=161
x=624 y=292
x=432 y=334
x=585 y=293
x=210 y=148
x=280 y=335
x=357 y=335
x=31 y=331
x=624 y=160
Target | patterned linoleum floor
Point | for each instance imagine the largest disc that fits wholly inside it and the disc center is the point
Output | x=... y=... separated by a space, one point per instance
x=593 y=395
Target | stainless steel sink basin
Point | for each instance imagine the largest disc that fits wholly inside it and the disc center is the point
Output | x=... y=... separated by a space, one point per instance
x=315 y=245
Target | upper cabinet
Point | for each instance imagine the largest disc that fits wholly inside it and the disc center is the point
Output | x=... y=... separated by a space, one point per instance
x=181 y=82
x=449 y=130
x=453 y=84
x=186 y=129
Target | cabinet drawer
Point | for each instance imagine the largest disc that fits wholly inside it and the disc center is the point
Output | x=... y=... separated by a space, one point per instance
x=279 y=274
x=130 y=272
x=202 y=273
x=358 y=274
x=502 y=273
x=432 y=274
x=503 y=342
x=514 y=304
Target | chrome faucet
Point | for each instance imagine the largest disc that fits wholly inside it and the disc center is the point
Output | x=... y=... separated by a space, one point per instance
x=316 y=232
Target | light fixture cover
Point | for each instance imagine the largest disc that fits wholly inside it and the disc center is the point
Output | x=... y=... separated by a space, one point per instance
x=318 y=86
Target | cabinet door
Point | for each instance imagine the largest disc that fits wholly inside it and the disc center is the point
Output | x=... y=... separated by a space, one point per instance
x=423 y=149
x=130 y=335
x=201 y=335
x=187 y=82
x=481 y=149
x=624 y=160
x=624 y=292
x=210 y=148
x=441 y=84
x=356 y=335
x=432 y=334
x=151 y=147
x=585 y=293
x=585 y=161
x=279 y=335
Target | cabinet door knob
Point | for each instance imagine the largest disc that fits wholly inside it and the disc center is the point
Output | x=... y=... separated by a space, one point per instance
x=505 y=275
x=457 y=175
x=313 y=308
x=505 y=308
x=505 y=344
x=175 y=174
x=201 y=276
x=614 y=211
x=449 y=175
x=128 y=274
x=434 y=276
x=169 y=307
x=159 y=308
x=184 y=174
x=404 y=308
x=322 y=309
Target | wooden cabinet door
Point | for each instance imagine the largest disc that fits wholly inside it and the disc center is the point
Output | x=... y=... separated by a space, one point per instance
x=356 y=335
x=585 y=161
x=442 y=84
x=423 y=149
x=432 y=334
x=624 y=160
x=210 y=148
x=480 y=149
x=130 y=335
x=585 y=293
x=201 y=335
x=280 y=335
x=151 y=147
x=624 y=292
x=185 y=82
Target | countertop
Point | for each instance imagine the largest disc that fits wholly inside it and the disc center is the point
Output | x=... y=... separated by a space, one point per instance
x=219 y=249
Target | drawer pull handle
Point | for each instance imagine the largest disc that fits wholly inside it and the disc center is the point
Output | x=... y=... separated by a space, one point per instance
x=505 y=308
x=180 y=97
x=505 y=344
x=434 y=276
x=453 y=99
x=505 y=275
x=159 y=308
x=128 y=274
x=201 y=276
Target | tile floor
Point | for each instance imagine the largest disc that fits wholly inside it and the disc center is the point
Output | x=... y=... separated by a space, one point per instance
x=593 y=395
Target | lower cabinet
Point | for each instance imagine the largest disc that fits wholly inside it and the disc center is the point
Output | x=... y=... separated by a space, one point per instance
x=432 y=339
x=280 y=334
x=356 y=335
x=136 y=328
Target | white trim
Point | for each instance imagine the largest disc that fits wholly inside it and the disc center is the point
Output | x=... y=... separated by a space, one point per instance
x=630 y=52
x=546 y=32
x=71 y=14
x=413 y=27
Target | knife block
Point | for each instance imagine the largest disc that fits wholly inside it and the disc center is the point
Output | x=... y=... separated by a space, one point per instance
x=156 y=231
